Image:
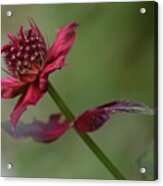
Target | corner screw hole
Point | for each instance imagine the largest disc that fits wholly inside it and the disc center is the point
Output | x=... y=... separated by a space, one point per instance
x=8 y=13
x=142 y=10
x=9 y=166
x=142 y=170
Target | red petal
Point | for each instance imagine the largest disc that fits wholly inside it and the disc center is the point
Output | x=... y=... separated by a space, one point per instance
x=13 y=39
x=37 y=30
x=64 y=41
x=30 y=97
x=39 y=131
x=20 y=33
x=57 y=53
x=26 y=78
x=92 y=120
x=43 y=78
x=6 y=47
x=11 y=87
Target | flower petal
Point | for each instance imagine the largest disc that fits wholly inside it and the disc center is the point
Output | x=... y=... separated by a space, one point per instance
x=11 y=87
x=13 y=39
x=43 y=78
x=57 y=52
x=64 y=41
x=39 y=131
x=20 y=33
x=30 y=97
x=93 y=119
x=6 y=47
x=36 y=29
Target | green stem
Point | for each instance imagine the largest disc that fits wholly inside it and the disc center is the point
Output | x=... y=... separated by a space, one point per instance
x=85 y=137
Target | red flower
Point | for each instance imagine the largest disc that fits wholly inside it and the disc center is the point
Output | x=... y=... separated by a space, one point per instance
x=29 y=63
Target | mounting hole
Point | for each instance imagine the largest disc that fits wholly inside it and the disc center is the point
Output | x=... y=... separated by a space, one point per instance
x=8 y=13
x=142 y=10
x=9 y=166
x=142 y=170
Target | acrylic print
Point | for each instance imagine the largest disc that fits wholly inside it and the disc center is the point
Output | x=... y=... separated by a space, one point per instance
x=79 y=91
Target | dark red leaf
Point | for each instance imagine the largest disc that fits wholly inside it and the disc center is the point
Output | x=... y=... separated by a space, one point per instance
x=93 y=119
x=39 y=131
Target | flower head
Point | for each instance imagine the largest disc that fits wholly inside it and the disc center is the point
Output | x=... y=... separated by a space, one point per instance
x=26 y=54
x=29 y=63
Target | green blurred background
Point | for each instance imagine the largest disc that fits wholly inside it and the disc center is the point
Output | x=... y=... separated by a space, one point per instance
x=112 y=58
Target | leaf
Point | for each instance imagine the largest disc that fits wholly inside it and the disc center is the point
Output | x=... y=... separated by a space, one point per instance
x=93 y=119
x=37 y=130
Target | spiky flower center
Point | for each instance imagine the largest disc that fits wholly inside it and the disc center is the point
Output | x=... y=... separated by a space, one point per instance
x=25 y=54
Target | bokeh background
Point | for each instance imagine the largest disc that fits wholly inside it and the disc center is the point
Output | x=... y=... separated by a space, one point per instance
x=112 y=58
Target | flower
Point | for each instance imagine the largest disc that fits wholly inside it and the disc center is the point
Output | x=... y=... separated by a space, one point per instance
x=89 y=121
x=29 y=63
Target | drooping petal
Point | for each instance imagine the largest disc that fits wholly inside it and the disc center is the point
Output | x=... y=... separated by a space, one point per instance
x=49 y=68
x=93 y=119
x=11 y=87
x=64 y=41
x=39 y=131
x=57 y=52
x=30 y=97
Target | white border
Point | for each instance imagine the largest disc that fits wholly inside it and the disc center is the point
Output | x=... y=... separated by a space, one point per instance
x=58 y=182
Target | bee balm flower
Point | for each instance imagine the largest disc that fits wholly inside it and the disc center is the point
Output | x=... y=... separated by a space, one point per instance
x=29 y=63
